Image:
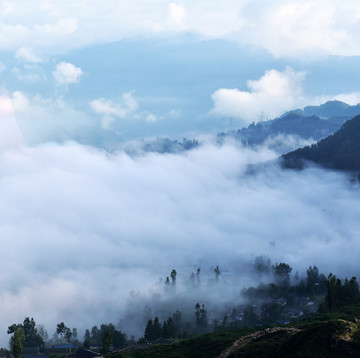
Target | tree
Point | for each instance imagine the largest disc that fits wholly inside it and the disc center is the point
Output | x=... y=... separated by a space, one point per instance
x=156 y=328
x=148 y=334
x=107 y=344
x=173 y=276
x=32 y=338
x=87 y=339
x=198 y=276
x=42 y=332
x=217 y=272
x=17 y=342
x=282 y=274
x=176 y=318
x=201 y=316
x=331 y=289
x=61 y=329
x=96 y=336
x=119 y=339
x=312 y=279
x=68 y=334
x=262 y=264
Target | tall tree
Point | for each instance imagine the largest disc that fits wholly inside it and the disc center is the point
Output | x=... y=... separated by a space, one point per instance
x=148 y=334
x=282 y=274
x=87 y=339
x=198 y=276
x=108 y=339
x=17 y=342
x=61 y=329
x=157 y=328
x=68 y=334
x=42 y=332
x=217 y=272
x=312 y=278
x=173 y=276
x=201 y=316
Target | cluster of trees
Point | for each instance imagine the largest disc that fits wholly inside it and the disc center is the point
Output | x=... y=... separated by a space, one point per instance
x=98 y=336
x=265 y=305
x=24 y=334
x=28 y=334
x=71 y=335
x=340 y=293
x=171 y=328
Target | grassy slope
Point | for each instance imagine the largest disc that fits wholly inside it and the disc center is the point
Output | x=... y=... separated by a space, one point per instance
x=327 y=335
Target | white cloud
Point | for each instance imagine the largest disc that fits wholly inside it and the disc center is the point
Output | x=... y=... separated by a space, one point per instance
x=27 y=54
x=66 y=73
x=110 y=110
x=285 y=28
x=49 y=119
x=270 y=96
x=177 y=13
x=126 y=107
x=302 y=28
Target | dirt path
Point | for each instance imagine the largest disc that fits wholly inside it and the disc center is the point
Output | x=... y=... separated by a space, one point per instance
x=243 y=341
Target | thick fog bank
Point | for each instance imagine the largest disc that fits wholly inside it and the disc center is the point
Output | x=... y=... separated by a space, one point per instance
x=81 y=228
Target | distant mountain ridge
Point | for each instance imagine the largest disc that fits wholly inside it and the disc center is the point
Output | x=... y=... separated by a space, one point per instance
x=330 y=109
x=340 y=151
x=310 y=123
x=306 y=125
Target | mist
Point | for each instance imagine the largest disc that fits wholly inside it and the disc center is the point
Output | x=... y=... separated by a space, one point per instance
x=87 y=234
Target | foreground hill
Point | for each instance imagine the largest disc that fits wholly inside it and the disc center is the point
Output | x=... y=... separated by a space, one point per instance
x=340 y=151
x=330 y=335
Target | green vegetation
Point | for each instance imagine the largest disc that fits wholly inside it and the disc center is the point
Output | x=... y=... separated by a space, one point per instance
x=335 y=334
x=338 y=151
x=204 y=346
x=270 y=322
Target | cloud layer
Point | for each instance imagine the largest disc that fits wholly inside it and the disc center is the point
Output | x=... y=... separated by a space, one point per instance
x=284 y=28
x=83 y=228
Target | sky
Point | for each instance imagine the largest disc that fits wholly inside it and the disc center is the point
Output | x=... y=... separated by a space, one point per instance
x=120 y=70
x=82 y=227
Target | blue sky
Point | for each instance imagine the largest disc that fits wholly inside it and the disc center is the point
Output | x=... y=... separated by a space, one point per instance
x=113 y=71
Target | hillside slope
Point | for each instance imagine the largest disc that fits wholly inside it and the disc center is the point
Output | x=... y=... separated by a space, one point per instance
x=340 y=151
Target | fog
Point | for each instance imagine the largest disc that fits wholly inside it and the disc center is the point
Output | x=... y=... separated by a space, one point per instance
x=86 y=234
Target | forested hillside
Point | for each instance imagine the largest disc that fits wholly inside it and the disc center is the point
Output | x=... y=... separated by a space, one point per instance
x=338 y=151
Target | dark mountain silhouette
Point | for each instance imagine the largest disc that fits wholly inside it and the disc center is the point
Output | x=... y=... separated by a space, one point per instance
x=339 y=151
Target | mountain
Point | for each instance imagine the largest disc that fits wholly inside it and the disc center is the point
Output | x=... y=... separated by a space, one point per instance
x=311 y=123
x=331 y=109
x=340 y=150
